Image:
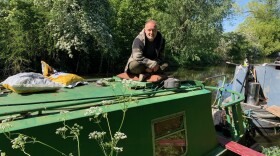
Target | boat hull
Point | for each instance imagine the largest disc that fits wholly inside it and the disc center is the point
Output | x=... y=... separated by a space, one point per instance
x=139 y=125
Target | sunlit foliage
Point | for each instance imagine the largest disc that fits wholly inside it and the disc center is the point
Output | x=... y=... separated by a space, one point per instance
x=235 y=46
x=261 y=27
x=193 y=28
x=86 y=36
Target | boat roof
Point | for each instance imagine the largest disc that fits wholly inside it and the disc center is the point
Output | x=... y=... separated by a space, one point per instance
x=90 y=95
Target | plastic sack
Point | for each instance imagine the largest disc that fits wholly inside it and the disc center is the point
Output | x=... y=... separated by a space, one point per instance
x=47 y=70
x=30 y=83
x=66 y=79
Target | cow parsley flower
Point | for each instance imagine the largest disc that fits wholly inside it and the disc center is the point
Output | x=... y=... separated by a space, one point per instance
x=118 y=149
x=95 y=111
x=96 y=135
x=119 y=136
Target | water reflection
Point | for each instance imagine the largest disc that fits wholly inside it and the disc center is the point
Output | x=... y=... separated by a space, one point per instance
x=203 y=73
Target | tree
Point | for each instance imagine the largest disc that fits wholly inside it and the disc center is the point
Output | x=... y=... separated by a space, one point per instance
x=82 y=27
x=235 y=46
x=66 y=31
x=192 y=28
x=128 y=20
x=21 y=25
x=262 y=25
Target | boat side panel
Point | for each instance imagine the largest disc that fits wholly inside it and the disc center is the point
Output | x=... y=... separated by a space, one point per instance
x=137 y=126
x=269 y=78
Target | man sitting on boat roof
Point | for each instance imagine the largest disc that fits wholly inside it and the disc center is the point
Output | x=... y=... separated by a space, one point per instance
x=147 y=52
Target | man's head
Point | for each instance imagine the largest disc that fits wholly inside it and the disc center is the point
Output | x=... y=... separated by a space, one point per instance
x=151 y=30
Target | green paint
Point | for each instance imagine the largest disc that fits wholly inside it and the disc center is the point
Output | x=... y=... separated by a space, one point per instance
x=191 y=99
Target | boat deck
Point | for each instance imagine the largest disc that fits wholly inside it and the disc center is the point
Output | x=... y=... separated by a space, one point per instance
x=82 y=97
x=155 y=118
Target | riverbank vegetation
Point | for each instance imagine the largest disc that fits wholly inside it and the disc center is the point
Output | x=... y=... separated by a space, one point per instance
x=90 y=37
x=271 y=151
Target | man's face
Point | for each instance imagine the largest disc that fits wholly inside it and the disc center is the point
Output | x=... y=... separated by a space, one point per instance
x=151 y=31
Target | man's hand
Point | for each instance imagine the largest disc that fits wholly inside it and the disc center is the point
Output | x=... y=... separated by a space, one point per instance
x=151 y=70
x=155 y=68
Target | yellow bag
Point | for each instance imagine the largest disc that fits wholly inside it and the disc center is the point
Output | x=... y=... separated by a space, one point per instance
x=47 y=70
x=65 y=78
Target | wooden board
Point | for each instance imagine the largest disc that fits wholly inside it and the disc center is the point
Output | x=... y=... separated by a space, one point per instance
x=242 y=150
x=274 y=110
x=172 y=142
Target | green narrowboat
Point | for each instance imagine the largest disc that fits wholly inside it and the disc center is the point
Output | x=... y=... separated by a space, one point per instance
x=119 y=117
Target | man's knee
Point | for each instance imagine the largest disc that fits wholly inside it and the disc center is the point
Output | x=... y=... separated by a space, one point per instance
x=136 y=67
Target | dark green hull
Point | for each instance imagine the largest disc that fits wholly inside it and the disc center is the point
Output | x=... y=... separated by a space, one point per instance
x=192 y=105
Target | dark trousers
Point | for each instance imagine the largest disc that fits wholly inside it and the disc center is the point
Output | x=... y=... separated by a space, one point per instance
x=135 y=67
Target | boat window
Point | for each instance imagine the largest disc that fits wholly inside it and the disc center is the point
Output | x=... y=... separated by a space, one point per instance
x=169 y=135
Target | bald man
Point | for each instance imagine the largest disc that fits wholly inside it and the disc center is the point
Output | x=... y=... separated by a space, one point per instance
x=147 y=52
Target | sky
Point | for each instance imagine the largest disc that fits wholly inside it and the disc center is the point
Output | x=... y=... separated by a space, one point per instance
x=231 y=25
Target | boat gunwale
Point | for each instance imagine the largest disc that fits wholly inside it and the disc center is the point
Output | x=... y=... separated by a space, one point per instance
x=74 y=102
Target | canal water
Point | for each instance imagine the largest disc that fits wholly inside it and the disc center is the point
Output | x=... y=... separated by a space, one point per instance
x=203 y=72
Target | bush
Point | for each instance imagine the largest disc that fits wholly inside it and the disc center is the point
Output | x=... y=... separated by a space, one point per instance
x=271 y=151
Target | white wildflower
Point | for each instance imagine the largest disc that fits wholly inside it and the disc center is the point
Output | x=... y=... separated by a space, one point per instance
x=76 y=129
x=5 y=125
x=107 y=102
x=95 y=111
x=119 y=136
x=61 y=130
x=118 y=149
x=96 y=135
x=19 y=142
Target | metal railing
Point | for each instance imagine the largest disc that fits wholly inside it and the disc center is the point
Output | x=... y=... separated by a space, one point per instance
x=234 y=113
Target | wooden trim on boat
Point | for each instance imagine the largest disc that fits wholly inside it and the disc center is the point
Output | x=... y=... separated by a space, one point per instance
x=242 y=150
